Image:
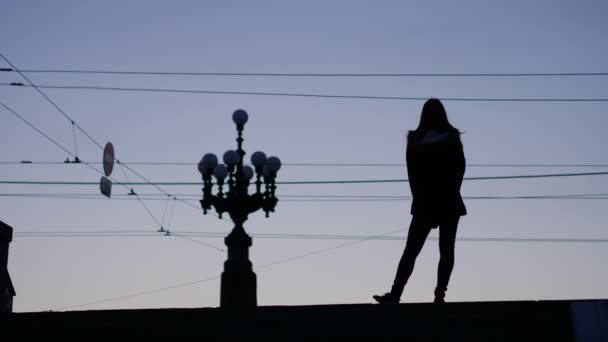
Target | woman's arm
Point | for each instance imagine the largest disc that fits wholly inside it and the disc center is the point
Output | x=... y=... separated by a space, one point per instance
x=459 y=164
x=412 y=169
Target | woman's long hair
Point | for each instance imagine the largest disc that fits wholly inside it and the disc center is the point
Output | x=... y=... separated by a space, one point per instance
x=433 y=117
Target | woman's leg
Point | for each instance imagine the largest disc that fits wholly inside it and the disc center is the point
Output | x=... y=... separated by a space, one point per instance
x=447 y=241
x=419 y=230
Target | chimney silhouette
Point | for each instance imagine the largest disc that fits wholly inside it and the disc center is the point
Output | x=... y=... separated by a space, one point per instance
x=7 y=291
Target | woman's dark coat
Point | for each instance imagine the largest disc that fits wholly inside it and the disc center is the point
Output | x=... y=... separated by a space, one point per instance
x=435 y=170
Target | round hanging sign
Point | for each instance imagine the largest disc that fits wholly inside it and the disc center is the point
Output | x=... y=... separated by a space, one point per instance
x=108 y=159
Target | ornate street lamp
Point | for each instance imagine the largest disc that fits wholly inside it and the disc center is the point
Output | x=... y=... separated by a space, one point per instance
x=238 y=289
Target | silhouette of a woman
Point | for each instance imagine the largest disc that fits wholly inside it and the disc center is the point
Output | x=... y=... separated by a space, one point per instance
x=435 y=168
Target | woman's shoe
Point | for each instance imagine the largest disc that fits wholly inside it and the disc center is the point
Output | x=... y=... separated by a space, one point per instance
x=439 y=300
x=439 y=295
x=386 y=298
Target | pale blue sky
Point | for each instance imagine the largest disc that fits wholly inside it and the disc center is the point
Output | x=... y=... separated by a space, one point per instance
x=315 y=37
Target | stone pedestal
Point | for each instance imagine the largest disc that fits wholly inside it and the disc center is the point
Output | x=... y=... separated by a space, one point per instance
x=239 y=284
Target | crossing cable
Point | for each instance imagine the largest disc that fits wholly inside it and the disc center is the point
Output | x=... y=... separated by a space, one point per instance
x=19 y=116
x=149 y=182
x=132 y=192
x=156 y=185
x=465 y=178
x=31 y=84
x=363 y=181
x=75 y=142
x=308 y=95
x=281 y=236
x=197 y=241
x=548 y=165
x=315 y=199
x=165 y=210
x=155 y=196
x=136 y=294
x=357 y=240
x=167 y=231
x=10 y=110
x=174 y=197
x=274 y=74
x=324 y=250
x=171 y=214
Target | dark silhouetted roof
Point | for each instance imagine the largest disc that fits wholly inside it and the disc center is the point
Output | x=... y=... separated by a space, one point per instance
x=6 y=232
x=5 y=282
x=478 y=321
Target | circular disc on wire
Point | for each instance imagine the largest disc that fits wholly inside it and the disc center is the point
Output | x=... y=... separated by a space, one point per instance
x=105 y=186
x=108 y=159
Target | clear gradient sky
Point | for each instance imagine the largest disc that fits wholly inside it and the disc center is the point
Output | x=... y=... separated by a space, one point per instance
x=305 y=37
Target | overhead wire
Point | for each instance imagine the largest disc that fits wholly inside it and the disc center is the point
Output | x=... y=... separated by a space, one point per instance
x=360 y=239
x=351 y=181
x=133 y=193
x=197 y=241
x=48 y=99
x=465 y=178
x=75 y=142
x=324 y=250
x=156 y=185
x=313 y=199
x=31 y=84
x=289 y=236
x=161 y=229
x=167 y=230
x=70 y=153
x=136 y=294
x=19 y=116
x=156 y=196
x=306 y=95
x=10 y=110
x=548 y=165
x=275 y=74
x=165 y=210
x=171 y=214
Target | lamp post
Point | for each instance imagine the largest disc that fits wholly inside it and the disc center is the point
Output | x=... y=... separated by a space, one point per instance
x=238 y=288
